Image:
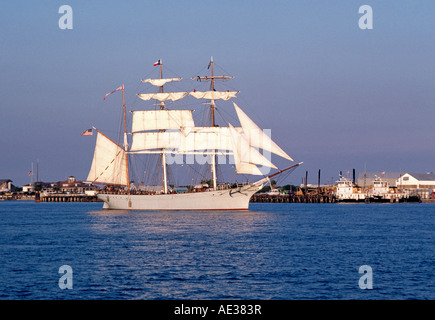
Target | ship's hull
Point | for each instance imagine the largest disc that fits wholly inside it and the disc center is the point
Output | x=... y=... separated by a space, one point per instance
x=229 y=199
x=352 y=200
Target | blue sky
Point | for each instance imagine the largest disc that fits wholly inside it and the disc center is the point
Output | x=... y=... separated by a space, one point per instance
x=335 y=96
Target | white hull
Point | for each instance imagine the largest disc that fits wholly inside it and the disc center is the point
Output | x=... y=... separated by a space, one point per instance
x=229 y=199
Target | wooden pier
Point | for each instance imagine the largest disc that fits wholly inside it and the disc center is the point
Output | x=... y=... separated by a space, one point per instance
x=292 y=198
x=67 y=198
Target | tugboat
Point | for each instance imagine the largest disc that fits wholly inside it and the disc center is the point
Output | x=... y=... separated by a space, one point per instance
x=383 y=193
x=348 y=192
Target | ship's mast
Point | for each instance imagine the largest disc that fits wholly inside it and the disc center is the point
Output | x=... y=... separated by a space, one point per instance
x=212 y=106
x=32 y=174
x=125 y=141
x=212 y=109
x=162 y=106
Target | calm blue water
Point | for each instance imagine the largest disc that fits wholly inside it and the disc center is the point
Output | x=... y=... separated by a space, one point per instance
x=274 y=251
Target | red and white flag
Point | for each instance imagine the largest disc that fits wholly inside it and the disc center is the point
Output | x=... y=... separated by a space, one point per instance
x=87 y=132
x=120 y=88
x=157 y=63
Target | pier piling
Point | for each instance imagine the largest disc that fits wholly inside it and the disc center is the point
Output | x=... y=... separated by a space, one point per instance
x=292 y=198
x=68 y=198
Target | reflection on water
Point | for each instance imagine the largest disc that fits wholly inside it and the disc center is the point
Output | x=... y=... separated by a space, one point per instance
x=109 y=212
x=159 y=222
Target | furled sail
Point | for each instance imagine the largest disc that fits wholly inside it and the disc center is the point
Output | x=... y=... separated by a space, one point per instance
x=162 y=119
x=257 y=137
x=109 y=163
x=160 y=82
x=246 y=158
x=214 y=95
x=174 y=96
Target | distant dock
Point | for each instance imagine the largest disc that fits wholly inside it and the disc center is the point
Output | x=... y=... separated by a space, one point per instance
x=292 y=198
x=51 y=197
x=258 y=198
x=67 y=198
x=324 y=198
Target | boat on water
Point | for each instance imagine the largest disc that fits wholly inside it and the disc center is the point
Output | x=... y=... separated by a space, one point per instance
x=274 y=192
x=170 y=133
x=347 y=192
x=379 y=192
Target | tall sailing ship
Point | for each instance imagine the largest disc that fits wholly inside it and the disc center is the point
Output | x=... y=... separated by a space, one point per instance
x=165 y=133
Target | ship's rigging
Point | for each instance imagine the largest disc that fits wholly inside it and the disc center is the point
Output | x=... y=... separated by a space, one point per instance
x=171 y=133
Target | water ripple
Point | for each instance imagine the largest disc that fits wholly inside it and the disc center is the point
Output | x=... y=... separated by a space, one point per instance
x=274 y=251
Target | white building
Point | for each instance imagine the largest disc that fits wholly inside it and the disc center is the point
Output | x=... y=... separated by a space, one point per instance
x=28 y=188
x=419 y=183
x=416 y=181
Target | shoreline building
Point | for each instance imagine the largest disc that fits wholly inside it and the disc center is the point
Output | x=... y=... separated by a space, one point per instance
x=28 y=188
x=422 y=184
x=71 y=185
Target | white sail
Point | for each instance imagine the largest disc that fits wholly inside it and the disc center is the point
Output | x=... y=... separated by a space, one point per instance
x=162 y=119
x=155 y=140
x=108 y=165
x=160 y=82
x=246 y=157
x=242 y=167
x=257 y=138
x=207 y=138
x=228 y=139
x=174 y=96
x=200 y=138
x=214 y=95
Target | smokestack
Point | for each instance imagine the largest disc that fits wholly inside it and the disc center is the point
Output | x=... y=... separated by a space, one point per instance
x=306 y=181
x=354 y=176
x=318 y=180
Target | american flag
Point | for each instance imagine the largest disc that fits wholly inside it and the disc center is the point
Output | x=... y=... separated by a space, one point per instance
x=157 y=63
x=87 y=132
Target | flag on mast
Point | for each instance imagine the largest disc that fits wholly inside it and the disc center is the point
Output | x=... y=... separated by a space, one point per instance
x=157 y=63
x=120 y=88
